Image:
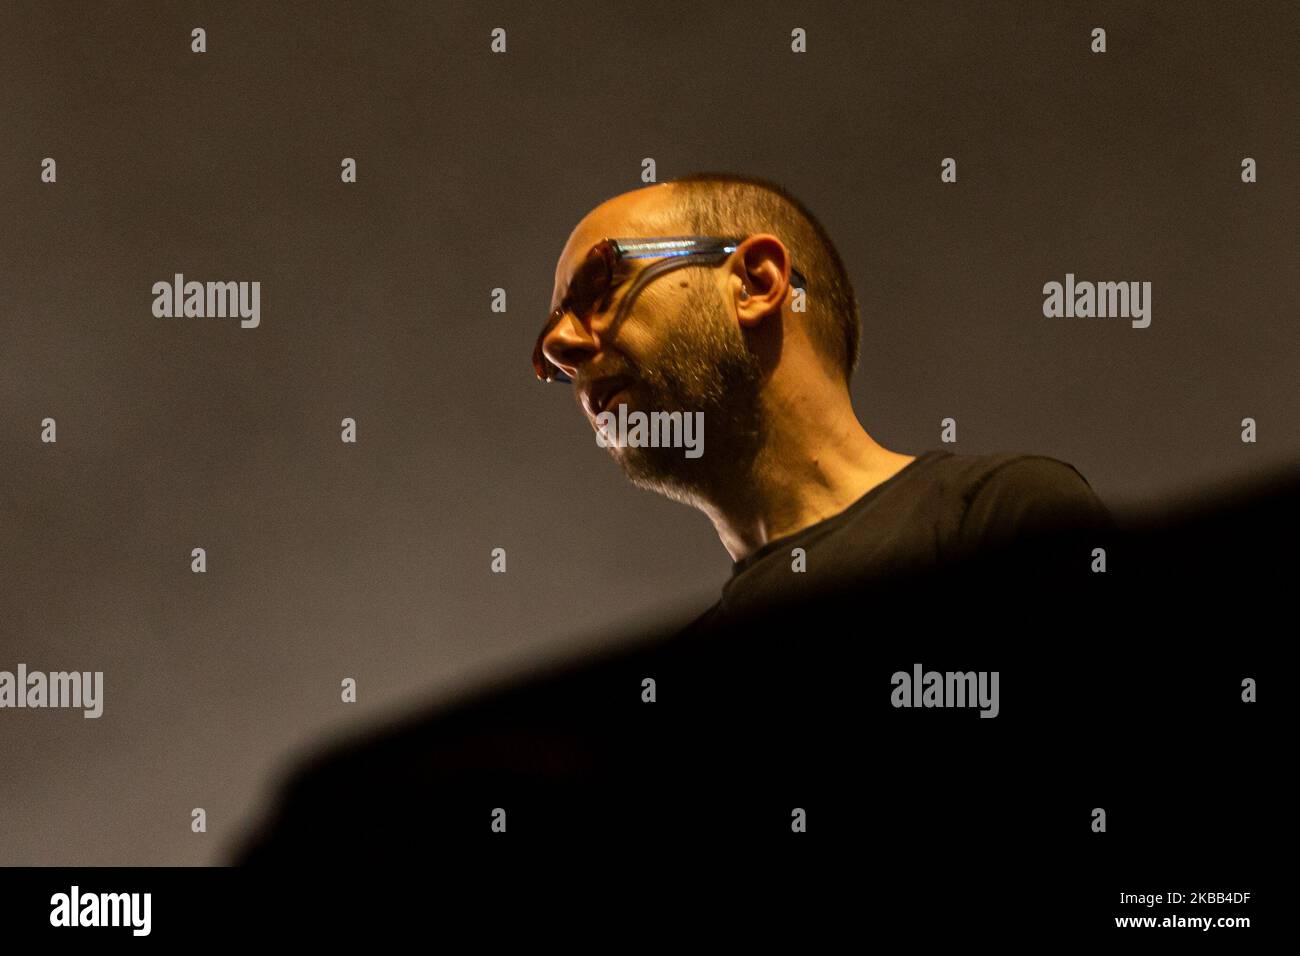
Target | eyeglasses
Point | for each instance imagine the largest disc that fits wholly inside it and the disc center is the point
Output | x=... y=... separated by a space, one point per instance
x=606 y=268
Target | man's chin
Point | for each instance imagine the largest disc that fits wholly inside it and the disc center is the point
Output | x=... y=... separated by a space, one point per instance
x=675 y=479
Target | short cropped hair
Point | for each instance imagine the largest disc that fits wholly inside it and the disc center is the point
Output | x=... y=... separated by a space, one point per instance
x=729 y=204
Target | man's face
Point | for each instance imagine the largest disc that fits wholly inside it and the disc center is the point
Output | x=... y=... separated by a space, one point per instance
x=677 y=348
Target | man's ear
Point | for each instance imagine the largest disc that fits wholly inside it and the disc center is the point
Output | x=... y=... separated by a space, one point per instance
x=762 y=262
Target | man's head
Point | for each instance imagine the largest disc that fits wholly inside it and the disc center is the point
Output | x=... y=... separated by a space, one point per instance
x=709 y=336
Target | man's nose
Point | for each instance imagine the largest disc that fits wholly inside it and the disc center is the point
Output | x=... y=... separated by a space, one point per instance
x=569 y=344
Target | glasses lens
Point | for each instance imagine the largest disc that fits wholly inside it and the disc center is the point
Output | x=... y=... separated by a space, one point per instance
x=591 y=281
x=588 y=290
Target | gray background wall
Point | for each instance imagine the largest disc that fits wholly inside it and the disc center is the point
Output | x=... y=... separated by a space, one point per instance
x=372 y=561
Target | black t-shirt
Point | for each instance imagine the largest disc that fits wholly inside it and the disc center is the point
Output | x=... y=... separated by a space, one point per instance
x=747 y=718
x=939 y=508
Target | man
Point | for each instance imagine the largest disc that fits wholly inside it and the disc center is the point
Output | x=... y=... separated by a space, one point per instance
x=738 y=728
x=722 y=297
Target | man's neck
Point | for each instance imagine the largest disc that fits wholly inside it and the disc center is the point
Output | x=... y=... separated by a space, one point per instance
x=817 y=461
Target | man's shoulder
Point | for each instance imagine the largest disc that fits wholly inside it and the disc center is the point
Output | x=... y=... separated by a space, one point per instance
x=1024 y=472
x=969 y=471
x=1008 y=494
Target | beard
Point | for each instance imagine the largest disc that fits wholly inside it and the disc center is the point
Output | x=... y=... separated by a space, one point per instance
x=704 y=366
